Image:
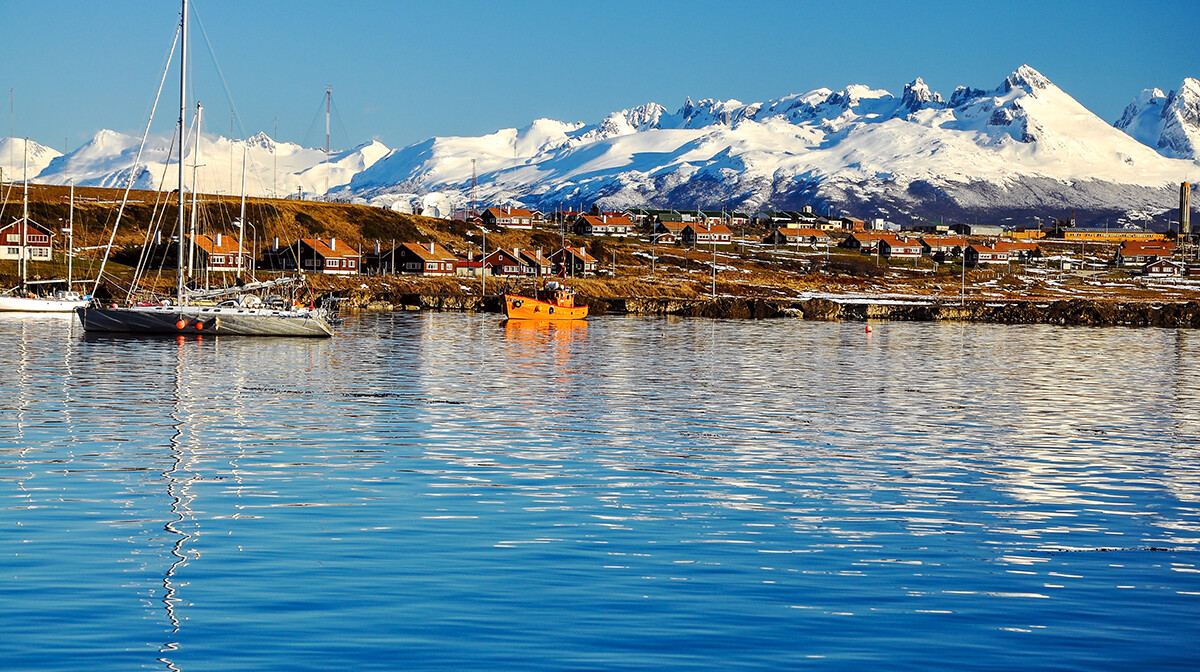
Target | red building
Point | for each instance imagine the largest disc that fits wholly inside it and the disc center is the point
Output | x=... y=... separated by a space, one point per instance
x=37 y=241
x=424 y=259
x=509 y=217
x=334 y=256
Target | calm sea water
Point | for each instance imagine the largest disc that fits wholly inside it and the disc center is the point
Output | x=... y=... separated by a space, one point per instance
x=447 y=492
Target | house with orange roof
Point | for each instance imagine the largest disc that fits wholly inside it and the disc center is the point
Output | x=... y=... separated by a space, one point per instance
x=978 y=253
x=540 y=263
x=893 y=247
x=668 y=232
x=1019 y=250
x=509 y=217
x=502 y=262
x=1139 y=252
x=319 y=255
x=699 y=234
x=423 y=259
x=941 y=248
x=603 y=225
x=220 y=253
x=790 y=235
x=864 y=241
x=574 y=262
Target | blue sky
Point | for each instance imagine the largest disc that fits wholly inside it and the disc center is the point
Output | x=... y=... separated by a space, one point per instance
x=404 y=71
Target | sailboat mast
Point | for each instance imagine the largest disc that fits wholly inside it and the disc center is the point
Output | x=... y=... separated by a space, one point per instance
x=195 y=169
x=182 y=113
x=25 y=215
x=242 y=214
x=70 y=234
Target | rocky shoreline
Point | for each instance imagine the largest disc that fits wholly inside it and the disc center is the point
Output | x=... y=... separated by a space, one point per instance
x=1069 y=312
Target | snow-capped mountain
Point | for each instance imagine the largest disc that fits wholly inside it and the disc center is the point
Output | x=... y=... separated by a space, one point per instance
x=12 y=158
x=271 y=168
x=1170 y=123
x=1023 y=149
x=1016 y=153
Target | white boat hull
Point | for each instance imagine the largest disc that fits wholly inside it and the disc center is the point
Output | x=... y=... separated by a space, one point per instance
x=232 y=321
x=25 y=304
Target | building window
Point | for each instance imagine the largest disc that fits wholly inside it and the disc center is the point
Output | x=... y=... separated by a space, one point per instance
x=14 y=237
x=349 y=263
x=14 y=250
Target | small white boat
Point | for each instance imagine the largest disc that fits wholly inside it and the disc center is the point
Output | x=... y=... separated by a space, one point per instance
x=21 y=299
x=59 y=302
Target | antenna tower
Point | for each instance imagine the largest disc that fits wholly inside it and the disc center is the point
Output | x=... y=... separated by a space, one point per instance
x=328 y=103
x=474 y=187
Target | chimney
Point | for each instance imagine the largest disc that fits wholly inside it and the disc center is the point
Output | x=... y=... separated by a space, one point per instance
x=276 y=245
x=218 y=240
x=377 y=250
x=604 y=217
x=333 y=243
x=431 y=248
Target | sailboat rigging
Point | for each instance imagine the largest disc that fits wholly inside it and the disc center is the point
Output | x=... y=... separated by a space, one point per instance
x=192 y=310
x=23 y=300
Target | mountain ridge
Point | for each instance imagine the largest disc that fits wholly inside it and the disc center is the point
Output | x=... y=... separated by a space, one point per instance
x=1019 y=152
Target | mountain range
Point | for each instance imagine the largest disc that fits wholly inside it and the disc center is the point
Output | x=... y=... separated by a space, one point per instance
x=1022 y=152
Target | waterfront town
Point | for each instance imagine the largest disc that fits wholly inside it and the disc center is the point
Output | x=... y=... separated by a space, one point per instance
x=371 y=252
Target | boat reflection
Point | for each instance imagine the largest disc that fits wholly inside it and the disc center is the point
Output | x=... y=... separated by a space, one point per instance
x=549 y=331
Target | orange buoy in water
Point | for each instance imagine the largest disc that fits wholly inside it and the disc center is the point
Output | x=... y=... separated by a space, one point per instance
x=199 y=326
x=181 y=324
x=868 y=328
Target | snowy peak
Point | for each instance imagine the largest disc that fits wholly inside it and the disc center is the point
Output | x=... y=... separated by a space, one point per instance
x=1170 y=123
x=1026 y=78
x=917 y=95
x=12 y=157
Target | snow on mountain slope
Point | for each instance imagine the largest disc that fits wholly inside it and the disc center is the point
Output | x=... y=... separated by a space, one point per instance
x=12 y=158
x=271 y=168
x=1170 y=123
x=1025 y=144
x=1024 y=149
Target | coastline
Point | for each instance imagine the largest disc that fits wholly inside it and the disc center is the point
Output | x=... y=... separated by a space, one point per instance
x=1064 y=312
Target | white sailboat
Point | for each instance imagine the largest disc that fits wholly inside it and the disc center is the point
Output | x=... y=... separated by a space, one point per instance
x=241 y=315
x=21 y=299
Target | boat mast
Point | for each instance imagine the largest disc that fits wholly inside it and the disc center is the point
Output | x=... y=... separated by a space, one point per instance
x=70 y=234
x=195 y=169
x=242 y=215
x=182 y=113
x=25 y=215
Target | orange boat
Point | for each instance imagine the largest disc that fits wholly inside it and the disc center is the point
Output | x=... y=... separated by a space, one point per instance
x=561 y=307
